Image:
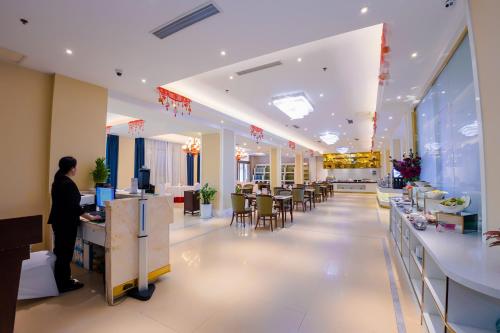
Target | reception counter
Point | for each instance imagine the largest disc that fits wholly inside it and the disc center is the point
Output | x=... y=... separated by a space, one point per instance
x=355 y=187
x=118 y=236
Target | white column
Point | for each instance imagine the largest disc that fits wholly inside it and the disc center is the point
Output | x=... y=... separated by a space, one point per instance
x=275 y=167
x=227 y=171
x=482 y=22
x=312 y=168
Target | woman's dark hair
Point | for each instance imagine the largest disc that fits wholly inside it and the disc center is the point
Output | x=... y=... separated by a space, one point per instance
x=65 y=165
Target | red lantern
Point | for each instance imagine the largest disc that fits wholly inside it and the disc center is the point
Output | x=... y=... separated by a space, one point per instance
x=384 y=75
x=170 y=99
x=291 y=145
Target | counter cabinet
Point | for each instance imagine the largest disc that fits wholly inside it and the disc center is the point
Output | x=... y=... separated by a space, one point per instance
x=455 y=278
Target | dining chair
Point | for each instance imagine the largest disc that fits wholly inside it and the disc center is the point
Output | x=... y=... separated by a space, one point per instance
x=298 y=197
x=265 y=210
x=318 y=193
x=239 y=209
x=277 y=190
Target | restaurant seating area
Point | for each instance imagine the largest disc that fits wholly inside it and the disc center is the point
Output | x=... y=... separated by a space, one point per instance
x=276 y=204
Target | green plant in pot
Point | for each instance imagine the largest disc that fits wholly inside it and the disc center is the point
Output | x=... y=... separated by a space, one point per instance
x=207 y=194
x=100 y=173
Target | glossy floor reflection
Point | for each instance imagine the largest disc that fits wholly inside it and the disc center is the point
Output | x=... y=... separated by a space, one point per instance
x=326 y=272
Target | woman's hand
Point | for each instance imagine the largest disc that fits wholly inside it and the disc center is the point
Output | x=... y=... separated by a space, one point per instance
x=90 y=217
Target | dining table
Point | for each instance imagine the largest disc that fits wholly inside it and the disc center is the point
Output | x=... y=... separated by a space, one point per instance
x=281 y=200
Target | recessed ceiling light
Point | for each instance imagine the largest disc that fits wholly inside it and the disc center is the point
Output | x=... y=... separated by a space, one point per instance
x=269 y=103
x=295 y=106
x=299 y=59
x=305 y=129
x=329 y=138
x=340 y=126
x=364 y=10
x=414 y=55
x=333 y=113
x=222 y=121
x=68 y=51
x=321 y=95
x=443 y=92
x=143 y=80
x=344 y=133
x=390 y=117
x=386 y=129
x=222 y=53
x=244 y=143
x=399 y=97
x=231 y=77
x=383 y=137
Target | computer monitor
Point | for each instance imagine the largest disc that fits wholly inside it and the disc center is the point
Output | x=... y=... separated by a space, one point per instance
x=103 y=194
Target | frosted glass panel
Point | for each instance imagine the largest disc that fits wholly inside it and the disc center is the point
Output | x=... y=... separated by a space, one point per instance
x=448 y=131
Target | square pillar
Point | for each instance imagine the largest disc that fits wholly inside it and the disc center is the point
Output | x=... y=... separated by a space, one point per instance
x=298 y=174
x=275 y=167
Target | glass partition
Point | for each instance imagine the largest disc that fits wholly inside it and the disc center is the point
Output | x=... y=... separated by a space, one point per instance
x=448 y=131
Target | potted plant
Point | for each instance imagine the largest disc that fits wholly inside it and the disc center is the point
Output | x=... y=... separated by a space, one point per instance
x=100 y=173
x=207 y=196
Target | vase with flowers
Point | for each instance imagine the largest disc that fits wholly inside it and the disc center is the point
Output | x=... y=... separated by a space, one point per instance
x=409 y=167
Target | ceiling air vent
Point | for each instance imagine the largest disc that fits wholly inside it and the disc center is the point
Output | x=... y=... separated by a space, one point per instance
x=350 y=121
x=296 y=126
x=186 y=20
x=259 y=68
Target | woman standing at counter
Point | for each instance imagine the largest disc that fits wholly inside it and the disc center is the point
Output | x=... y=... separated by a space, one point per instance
x=64 y=218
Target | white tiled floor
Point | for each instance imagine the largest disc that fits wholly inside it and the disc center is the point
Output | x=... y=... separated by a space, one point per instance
x=324 y=273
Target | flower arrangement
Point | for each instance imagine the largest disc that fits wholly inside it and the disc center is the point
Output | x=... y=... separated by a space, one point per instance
x=493 y=234
x=409 y=166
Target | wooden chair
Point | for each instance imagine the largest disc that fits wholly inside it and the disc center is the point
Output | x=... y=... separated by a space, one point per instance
x=239 y=209
x=300 y=186
x=265 y=209
x=299 y=197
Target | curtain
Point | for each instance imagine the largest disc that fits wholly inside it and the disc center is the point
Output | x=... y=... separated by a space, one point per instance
x=139 y=156
x=155 y=158
x=190 y=169
x=167 y=161
x=198 y=179
x=112 y=146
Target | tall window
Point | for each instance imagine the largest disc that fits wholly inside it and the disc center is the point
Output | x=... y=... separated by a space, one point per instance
x=243 y=171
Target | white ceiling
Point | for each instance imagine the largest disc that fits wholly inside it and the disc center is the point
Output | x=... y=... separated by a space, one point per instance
x=349 y=87
x=105 y=35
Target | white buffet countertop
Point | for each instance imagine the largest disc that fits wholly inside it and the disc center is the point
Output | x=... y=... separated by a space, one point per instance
x=465 y=258
x=356 y=187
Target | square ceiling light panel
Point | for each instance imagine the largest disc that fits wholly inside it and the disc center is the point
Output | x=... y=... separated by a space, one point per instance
x=295 y=106
x=329 y=138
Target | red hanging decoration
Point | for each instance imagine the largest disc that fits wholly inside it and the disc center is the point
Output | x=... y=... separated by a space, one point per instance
x=374 y=130
x=310 y=152
x=177 y=102
x=384 y=64
x=291 y=145
x=136 y=127
x=257 y=133
x=108 y=129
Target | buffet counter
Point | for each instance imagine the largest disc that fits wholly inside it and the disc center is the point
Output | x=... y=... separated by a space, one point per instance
x=384 y=195
x=455 y=277
x=355 y=187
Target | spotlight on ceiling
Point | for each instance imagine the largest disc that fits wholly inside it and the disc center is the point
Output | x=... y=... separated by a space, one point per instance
x=68 y=51
x=329 y=138
x=364 y=10
x=222 y=53
x=295 y=106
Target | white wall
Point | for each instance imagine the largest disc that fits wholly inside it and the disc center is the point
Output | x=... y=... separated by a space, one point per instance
x=351 y=174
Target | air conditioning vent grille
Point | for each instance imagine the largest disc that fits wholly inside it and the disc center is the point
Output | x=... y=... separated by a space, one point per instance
x=259 y=68
x=186 y=20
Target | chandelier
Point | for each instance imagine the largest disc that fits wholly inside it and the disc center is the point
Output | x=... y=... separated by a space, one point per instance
x=136 y=127
x=257 y=133
x=170 y=99
x=240 y=153
x=192 y=146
